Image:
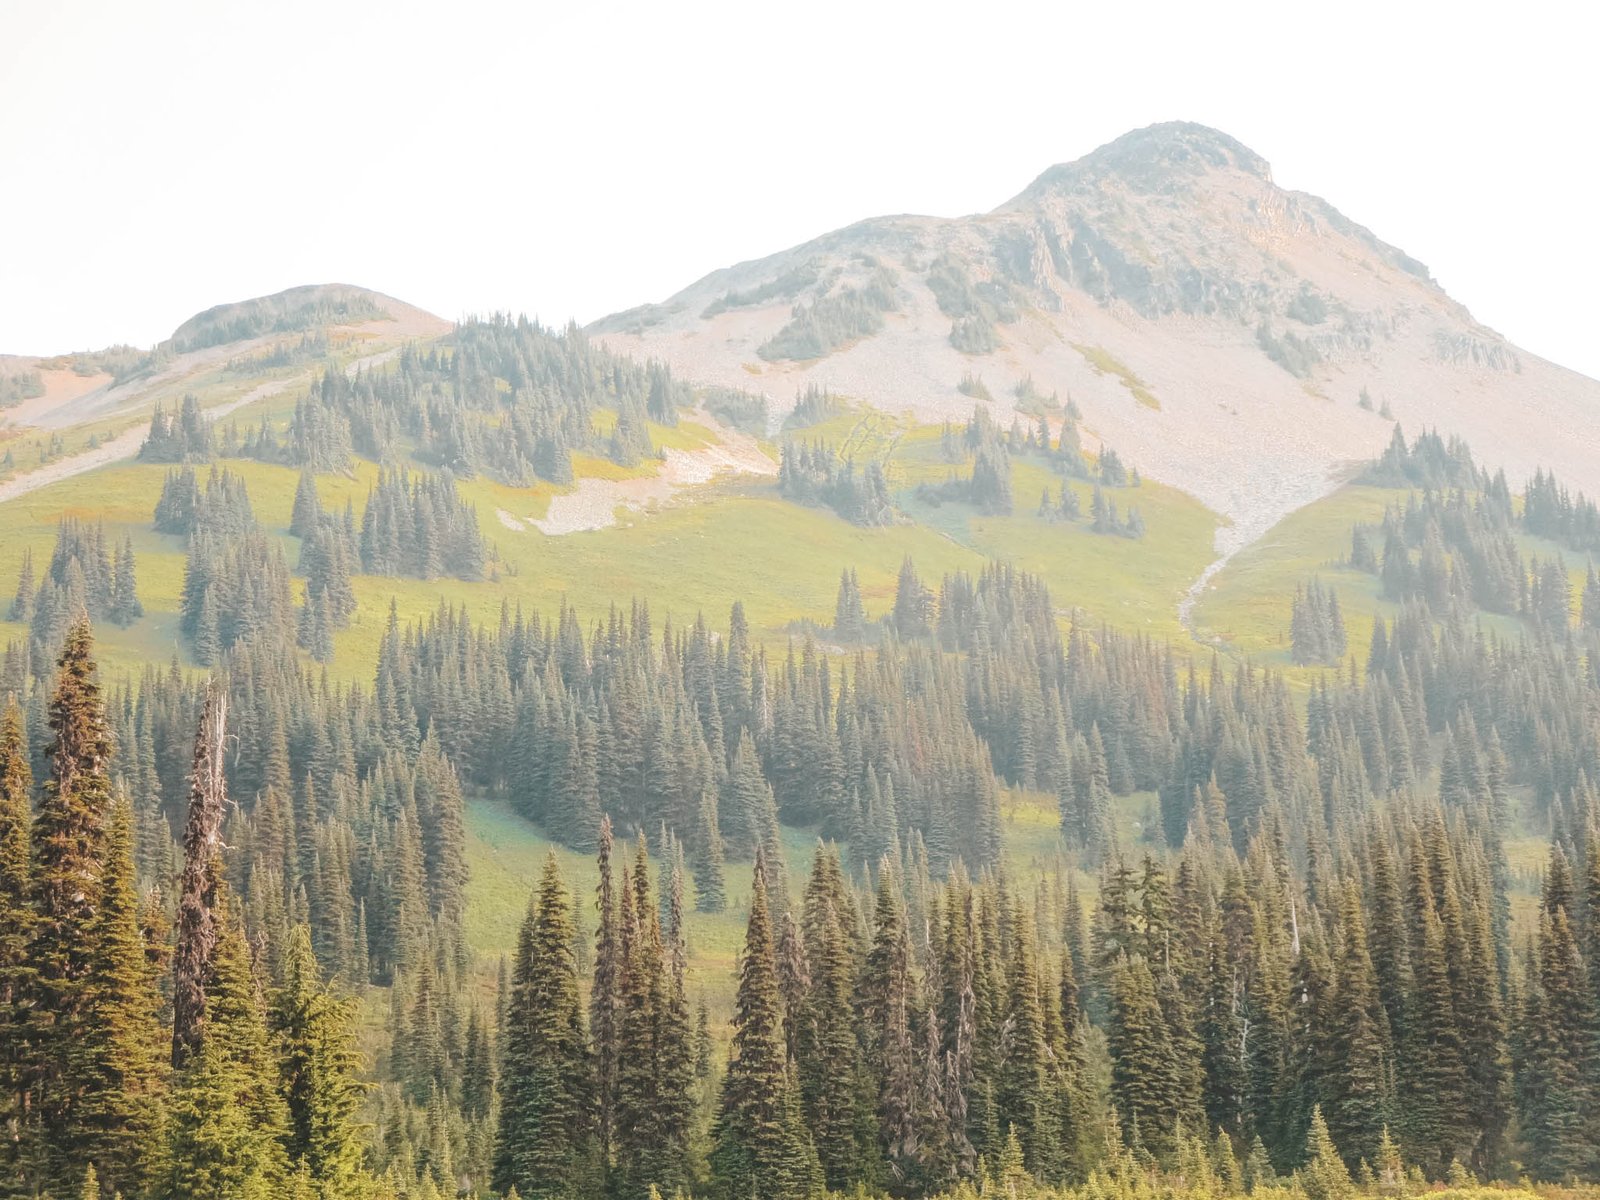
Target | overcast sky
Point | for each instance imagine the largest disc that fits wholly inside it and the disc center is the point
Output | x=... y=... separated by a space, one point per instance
x=164 y=156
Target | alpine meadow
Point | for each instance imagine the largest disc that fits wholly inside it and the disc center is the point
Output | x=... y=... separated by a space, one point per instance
x=1093 y=700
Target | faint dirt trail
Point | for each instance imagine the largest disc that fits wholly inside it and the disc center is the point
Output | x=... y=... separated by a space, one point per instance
x=126 y=444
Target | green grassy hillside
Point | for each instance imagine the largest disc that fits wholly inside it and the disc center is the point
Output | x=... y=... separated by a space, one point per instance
x=732 y=540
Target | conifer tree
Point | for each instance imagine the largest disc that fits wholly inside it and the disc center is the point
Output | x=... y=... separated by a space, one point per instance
x=1144 y=1075
x=119 y=1109
x=1358 y=1070
x=69 y=856
x=307 y=512
x=1023 y=1095
x=1324 y=1176
x=828 y=1063
x=318 y=1062
x=849 y=617
x=125 y=607
x=888 y=1001
x=16 y=928
x=759 y=1151
x=1558 y=1018
x=545 y=1145
x=710 y=886
x=197 y=894
x=654 y=1055
x=603 y=995
x=227 y=1121
x=21 y=609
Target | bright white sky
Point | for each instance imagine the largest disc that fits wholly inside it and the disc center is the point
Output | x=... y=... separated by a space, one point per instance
x=570 y=160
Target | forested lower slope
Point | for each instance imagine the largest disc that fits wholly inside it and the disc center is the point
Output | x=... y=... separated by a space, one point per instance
x=877 y=828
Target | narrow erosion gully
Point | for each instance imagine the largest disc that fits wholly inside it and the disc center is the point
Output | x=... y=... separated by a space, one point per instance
x=126 y=444
x=1247 y=529
x=1192 y=594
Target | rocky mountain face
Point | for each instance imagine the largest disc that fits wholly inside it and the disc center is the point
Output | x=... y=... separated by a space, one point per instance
x=1230 y=337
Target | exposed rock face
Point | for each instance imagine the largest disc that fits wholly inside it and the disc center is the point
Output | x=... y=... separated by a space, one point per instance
x=1255 y=319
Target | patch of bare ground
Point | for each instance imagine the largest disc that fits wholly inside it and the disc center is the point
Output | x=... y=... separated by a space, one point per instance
x=594 y=503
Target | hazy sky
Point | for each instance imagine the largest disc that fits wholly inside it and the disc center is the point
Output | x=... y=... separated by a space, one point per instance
x=571 y=160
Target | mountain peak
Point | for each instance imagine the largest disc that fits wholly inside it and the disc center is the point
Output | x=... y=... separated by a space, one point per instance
x=1156 y=158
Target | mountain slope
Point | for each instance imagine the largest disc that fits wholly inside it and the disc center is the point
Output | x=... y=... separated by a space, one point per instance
x=1219 y=331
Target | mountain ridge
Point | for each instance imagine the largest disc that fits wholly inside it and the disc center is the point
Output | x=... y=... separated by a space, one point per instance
x=1231 y=337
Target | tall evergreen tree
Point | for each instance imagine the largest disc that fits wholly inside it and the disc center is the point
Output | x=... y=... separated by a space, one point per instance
x=318 y=1063
x=546 y=1145
x=761 y=1147
x=1358 y=1072
x=227 y=1120
x=603 y=995
x=16 y=929
x=119 y=1108
x=69 y=855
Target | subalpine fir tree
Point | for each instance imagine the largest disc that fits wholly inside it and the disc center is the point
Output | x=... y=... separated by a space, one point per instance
x=654 y=1055
x=759 y=1144
x=16 y=928
x=1023 y=1093
x=227 y=1121
x=1358 y=1073
x=1144 y=1076
x=749 y=814
x=887 y=1004
x=69 y=846
x=675 y=1050
x=22 y=604
x=603 y=995
x=314 y=1035
x=124 y=608
x=1222 y=1031
x=828 y=1065
x=545 y=1145
x=119 y=1109
x=710 y=886
x=307 y=512
x=1436 y=1103
x=1558 y=1020
x=849 y=617
x=1324 y=1176
x=440 y=816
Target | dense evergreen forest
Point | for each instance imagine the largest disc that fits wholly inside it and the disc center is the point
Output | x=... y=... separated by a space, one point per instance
x=233 y=949
x=509 y=399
